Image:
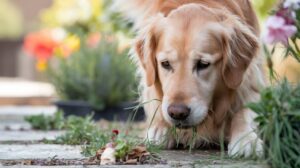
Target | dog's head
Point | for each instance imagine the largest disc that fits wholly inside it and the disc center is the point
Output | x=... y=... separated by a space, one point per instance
x=190 y=53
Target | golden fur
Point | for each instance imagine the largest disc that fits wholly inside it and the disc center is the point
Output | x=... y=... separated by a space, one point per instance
x=221 y=32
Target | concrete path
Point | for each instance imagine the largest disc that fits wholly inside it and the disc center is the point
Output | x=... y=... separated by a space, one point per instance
x=17 y=113
x=12 y=117
x=173 y=158
x=21 y=136
x=39 y=151
x=145 y=166
x=14 y=125
x=20 y=145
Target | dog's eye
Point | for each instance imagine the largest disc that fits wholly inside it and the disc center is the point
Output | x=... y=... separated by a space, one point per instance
x=200 y=65
x=166 y=65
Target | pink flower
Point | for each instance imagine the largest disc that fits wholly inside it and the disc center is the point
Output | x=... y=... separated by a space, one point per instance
x=115 y=131
x=278 y=30
x=288 y=15
x=294 y=4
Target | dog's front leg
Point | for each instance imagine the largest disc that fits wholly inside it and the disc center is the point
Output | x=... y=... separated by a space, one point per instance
x=243 y=138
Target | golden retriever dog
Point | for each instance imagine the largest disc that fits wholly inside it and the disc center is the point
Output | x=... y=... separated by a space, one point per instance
x=199 y=64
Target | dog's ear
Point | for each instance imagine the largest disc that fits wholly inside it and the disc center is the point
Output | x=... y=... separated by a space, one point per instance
x=145 y=47
x=240 y=46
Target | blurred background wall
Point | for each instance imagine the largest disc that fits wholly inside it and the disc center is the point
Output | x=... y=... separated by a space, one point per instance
x=16 y=18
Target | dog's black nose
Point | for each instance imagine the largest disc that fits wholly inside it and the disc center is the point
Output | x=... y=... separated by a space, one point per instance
x=178 y=111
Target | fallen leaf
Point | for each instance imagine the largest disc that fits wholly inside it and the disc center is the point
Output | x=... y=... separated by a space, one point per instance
x=99 y=153
x=131 y=161
x=137 y=152
x=140 y=149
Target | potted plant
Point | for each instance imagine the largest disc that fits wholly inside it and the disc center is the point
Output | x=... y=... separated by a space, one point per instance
x=99 y=79
x=88 y=70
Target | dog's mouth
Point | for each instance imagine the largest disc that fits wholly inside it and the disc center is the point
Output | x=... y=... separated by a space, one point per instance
x=183 y=125
x=186 y=124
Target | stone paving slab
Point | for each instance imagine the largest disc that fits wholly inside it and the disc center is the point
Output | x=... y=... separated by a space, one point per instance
x=17 y=113
x=39 y=151
x=145 y=166
x=14 y=125
x=28 y=135
x=202 y=158
x=96 y=166
x=44 y=151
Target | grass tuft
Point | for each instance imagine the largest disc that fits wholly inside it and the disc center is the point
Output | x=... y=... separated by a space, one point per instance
x=85 y=132
x=279 y=124
x=43 y=122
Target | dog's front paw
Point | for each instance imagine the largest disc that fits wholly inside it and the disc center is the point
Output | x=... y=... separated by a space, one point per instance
x=160 y=136
x=246 y=146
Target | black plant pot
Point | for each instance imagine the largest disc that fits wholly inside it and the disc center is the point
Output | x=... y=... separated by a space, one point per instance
x=122 y=112
x=78 y=108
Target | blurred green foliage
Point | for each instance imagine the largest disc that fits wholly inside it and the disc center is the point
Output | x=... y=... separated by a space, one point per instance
x=79 y=131
x=82 y=130
x=263 y=7
x=88 y=15
x=102 y=76
x=11 y=21
x=279 y=124
x=114 y=21
x=43 y=122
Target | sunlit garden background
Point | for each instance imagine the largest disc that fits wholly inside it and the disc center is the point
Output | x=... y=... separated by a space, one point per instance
x=73 y=56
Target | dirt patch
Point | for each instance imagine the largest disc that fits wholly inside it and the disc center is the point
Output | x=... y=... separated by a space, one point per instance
x=49 y=162
x=152 y=159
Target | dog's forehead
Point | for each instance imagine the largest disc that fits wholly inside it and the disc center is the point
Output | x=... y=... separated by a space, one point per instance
x=192 y=29
x=200 y=38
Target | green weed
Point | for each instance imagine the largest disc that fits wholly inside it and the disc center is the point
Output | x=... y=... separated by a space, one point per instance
x=279 y=124
x=43 y=122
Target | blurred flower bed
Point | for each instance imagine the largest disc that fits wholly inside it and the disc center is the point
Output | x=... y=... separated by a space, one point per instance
x=81 y=46
x=283 y=26
x=278 y=111
x=67 y=24
x=281 y=36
